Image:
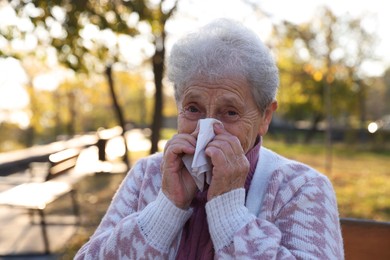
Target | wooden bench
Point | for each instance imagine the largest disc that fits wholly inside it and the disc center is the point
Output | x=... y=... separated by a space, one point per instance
x=35 y=196
x=365 y=239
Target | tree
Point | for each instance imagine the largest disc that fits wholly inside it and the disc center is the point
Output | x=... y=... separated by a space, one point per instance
x=319 y=58
x=68 y=22
x=114 y=16
x=386 y=79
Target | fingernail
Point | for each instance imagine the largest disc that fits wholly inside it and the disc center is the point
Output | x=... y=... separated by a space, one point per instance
x=218 y=125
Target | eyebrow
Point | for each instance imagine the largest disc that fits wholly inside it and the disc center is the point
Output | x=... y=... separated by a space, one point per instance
x=193 y=96
x=229 y=99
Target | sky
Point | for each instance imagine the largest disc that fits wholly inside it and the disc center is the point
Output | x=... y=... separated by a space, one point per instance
x=296 y=11
x=380 y=9
x=193 y=13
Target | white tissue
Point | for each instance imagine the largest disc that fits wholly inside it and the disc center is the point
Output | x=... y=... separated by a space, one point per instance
x=198 y=164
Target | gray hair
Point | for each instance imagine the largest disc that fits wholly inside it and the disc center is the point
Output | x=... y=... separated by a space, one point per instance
x=224 y=47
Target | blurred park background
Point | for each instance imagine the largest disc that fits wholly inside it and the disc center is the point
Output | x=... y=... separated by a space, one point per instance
x=69 y=68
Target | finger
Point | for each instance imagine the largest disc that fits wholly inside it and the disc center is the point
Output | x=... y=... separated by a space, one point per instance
x=226 y=164
x=220 y=145
x=219 y=128
x=217 y=156
x=225 y=150
x=181 y=138
x=225 y=139
x=180 y=144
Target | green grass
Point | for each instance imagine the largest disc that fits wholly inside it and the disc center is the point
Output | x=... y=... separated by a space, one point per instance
x=359 y=175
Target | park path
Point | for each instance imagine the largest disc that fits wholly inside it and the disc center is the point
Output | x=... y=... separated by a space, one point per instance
x=21 y=239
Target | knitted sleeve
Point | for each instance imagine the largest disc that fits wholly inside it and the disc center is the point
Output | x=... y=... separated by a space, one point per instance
x=299 y=220
x=140 y=221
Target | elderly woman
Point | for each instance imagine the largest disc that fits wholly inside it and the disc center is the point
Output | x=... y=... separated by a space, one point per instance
x=256 y=205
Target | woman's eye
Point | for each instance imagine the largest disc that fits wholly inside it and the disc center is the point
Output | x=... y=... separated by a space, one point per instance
x=232 y=113
x=192 y=109
x=192 y=112
x=230 y=116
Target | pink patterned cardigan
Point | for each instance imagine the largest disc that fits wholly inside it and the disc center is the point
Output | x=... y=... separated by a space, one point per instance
x=290 y=212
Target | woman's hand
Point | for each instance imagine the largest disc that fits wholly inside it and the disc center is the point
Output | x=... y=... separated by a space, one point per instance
x=177 y=183
x=230 y=166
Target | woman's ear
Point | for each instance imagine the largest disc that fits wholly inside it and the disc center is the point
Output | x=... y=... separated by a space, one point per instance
x=267 y=117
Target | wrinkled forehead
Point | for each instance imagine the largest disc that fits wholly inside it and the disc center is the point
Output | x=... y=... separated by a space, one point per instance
x=210 y=79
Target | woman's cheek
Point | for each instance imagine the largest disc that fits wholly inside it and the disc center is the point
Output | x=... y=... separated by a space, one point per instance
x=185 y=126
x=244 y=132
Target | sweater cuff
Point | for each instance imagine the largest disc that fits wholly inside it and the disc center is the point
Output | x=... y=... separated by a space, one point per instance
x=161 y=221
x=226 y=214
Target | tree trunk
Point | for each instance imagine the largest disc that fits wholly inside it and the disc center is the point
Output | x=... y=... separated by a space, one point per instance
x=71 y=125
x=362 y=111
x=30 y=133
x=313 y=129
x=118 y=112
x=158 y=70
